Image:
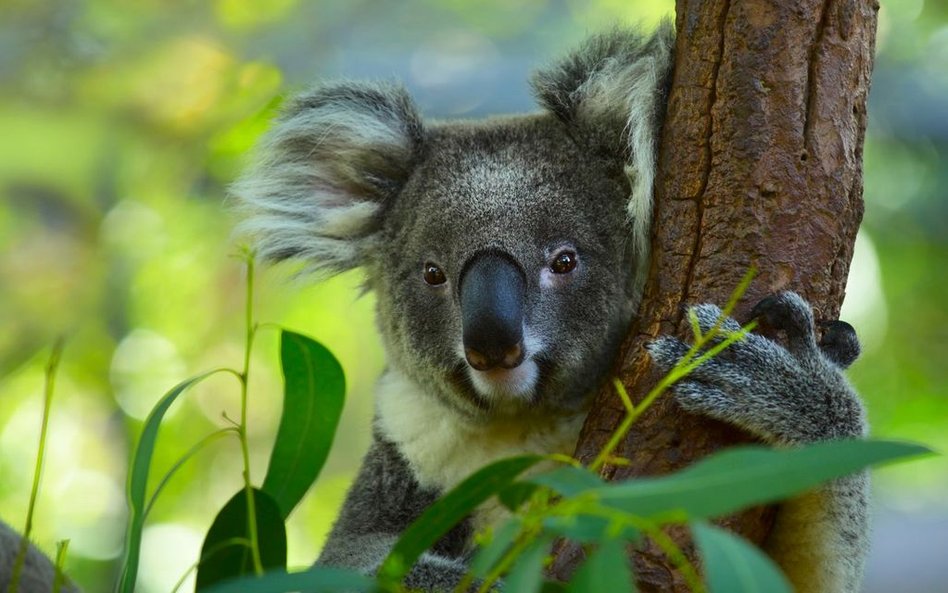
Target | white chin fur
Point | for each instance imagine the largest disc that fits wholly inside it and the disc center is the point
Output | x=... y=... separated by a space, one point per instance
x=517 y=383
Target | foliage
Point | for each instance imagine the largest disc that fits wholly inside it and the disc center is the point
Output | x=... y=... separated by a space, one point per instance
x=245 y=548
x=561 y=503
x=227 y=551
x=138 y=481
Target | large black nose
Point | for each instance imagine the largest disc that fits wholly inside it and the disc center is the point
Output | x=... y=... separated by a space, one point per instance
x=492 y=289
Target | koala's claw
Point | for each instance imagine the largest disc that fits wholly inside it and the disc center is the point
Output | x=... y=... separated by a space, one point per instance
x=788 y=312
x=839 y=343
x=666 y=351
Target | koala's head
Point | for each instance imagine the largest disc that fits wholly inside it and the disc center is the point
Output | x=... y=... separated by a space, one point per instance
x=507 y=254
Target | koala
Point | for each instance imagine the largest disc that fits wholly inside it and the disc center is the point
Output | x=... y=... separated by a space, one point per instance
x=508 y=257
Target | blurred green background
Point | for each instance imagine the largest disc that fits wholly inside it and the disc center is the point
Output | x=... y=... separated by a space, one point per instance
x=122 y=125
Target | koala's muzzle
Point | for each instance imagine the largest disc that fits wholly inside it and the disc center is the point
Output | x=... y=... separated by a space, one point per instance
x=492 y=291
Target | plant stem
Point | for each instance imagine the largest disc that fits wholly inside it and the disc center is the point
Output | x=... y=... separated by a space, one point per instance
x=503 y=565
x=50 y=381
x=61 y=549
x=678 y=558
x=194 y=450
x=536 y=509
x=242 y=429
x=227 y=543
x=627 y=422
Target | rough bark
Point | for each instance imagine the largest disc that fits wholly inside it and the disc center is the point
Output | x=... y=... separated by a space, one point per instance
x=760 y=166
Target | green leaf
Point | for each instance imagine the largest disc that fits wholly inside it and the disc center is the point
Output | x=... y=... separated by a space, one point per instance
x=516 y=495
x=223 y=557
x=526 y=576
x=605 y=571
x=319 y=579
x=313 y=397
x=488 y=555
x=137 y=486
x=568 y=480
x=587 y=528
x=741 y=477
x=448 y=511
x=731 y=565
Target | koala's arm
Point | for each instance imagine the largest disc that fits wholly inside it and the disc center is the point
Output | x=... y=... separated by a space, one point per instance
x=38 y=574
x=384 y=500
x=791 y=396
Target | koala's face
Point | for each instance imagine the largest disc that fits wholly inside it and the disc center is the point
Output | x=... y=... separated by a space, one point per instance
x=504 y=268
x=506 y=253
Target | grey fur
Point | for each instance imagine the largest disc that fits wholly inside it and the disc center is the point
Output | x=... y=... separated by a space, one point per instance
x=384 y=499
x=788 y=396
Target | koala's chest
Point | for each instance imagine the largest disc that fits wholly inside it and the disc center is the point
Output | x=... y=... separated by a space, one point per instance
x=442 y=448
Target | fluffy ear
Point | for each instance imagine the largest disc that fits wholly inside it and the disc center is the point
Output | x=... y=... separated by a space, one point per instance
x=615 y=87
x=325 y=172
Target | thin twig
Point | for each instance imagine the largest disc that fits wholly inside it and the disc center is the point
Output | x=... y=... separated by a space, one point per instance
x=50 y=381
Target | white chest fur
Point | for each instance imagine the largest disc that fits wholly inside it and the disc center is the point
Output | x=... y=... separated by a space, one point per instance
x=443 y=448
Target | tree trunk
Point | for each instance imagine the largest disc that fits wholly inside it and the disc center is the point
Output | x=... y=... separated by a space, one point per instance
x=760 y=166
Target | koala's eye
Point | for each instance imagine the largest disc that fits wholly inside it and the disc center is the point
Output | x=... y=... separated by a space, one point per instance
x=563 y=263
x=434 y=275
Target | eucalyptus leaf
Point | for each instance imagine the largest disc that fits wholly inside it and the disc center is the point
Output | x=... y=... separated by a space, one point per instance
x=223 y=558
x=319 y=579
x=585 y=528
x=568 y=480
x=516 y=495
x=526 y=576
x=137 y=486
x=449 y=510
x=606 y=570
x=745 y=476
x=488 y=555
x=313 y=398
x=732 y=565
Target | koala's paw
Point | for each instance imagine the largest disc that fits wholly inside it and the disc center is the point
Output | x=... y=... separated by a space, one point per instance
x=793 y=394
